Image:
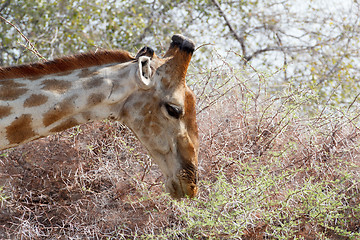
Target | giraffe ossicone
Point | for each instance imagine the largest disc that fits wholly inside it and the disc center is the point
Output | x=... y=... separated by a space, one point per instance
x=146 y=92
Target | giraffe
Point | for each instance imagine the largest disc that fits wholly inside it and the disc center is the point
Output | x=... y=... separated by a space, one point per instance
x=146 y=92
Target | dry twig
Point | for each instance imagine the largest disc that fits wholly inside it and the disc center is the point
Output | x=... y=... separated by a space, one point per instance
x=32 y=48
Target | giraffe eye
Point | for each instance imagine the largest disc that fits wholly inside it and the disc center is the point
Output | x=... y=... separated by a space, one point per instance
x=173 y=111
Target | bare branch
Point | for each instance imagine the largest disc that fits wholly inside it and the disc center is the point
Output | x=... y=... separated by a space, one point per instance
x=281 y=49
x=203 y=45
x=239 y=38
x=32 y=48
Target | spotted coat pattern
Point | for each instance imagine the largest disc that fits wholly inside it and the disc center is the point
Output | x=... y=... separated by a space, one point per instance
x=147 y=93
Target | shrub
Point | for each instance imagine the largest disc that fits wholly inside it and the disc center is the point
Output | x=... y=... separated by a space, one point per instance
x=272 y=166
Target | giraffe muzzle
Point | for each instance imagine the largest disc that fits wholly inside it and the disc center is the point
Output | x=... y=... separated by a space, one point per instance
x=179 y=188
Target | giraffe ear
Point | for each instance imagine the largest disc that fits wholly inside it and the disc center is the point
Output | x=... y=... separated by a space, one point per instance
x=144 y=73
x=145 y=51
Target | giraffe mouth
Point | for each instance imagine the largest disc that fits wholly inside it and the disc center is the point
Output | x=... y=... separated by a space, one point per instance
x=174 y=189
x=179 y=187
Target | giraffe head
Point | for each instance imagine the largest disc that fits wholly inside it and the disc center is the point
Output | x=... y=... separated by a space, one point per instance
x=163 y=117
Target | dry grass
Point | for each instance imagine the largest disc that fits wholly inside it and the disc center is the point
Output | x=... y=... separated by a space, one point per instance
x=267 y=171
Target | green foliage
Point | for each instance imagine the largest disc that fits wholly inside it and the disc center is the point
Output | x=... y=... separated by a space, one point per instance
x=3 y=196
x=257 y=197
x=294 y=181
x=66 y=27
x=307 y=42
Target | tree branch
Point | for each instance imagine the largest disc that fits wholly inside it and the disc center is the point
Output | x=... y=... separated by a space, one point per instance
x=239 y=38
x=279 y=48
x=247 y=57
x=32 y=48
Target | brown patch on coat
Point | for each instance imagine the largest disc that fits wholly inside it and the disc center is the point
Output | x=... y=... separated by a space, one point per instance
x=123 y=74
x=124 y=113
x=146 y=109
x=57 y=86
x=11 y=84
x=144 y=128
x=116 y=84
x=186 y=149
x=190 y=116
x=86 y=72
x=95 y=99
x=11 y=90
x=65 y=64
x=61 y=74
x=65 y=125
x=156 y=129
x=11 y=94
x=165 y=82
x=93 y=82
x=20 y=130
x=188 y=144
x=86 y=115
x=59 y=111
x=5 y=111
x=35 y=100
x=151 y=122
x=138 y=105
x=34 y=78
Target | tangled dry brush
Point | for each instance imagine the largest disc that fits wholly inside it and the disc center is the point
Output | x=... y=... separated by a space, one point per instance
x=272 y=166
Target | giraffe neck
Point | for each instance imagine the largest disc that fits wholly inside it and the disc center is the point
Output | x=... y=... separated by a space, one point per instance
x=31 y=108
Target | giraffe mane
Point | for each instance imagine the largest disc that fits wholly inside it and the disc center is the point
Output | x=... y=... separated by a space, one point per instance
x=64 y=64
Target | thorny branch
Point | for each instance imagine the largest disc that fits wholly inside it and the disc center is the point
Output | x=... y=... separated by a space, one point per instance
x=32 y=48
